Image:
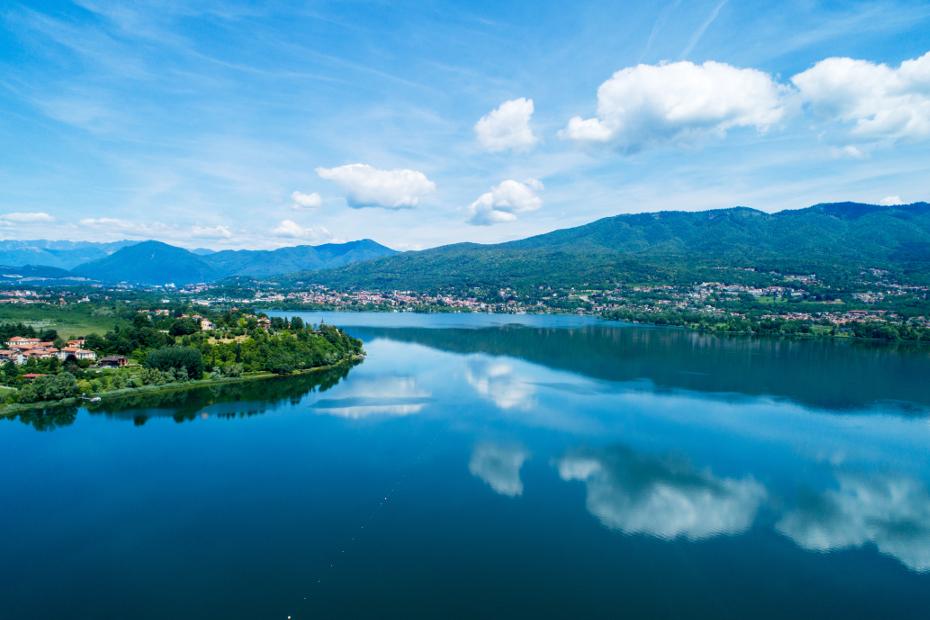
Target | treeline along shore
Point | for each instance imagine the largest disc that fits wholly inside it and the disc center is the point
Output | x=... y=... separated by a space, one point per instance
x=162 y=348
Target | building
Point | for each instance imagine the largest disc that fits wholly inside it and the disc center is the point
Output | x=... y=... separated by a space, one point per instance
x=206 y=325
x=19 y=341
x=112 y=361
x=77 y=353
x=11 y=355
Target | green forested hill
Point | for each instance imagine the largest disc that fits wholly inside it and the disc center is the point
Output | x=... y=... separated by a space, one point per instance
x=834 y=240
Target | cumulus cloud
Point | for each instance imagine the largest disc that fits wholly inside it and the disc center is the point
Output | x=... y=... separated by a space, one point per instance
x=507 y=126
x=874 y=100
x=27 y=217
x=367 y=186
x=647 y=105
x=890 y=201
x=377 y=396
x=891 y=513
x=504 y=202
x=290 y=229
x=499 y=466
x=497 y=381
x=665 y=499
x=300 y=200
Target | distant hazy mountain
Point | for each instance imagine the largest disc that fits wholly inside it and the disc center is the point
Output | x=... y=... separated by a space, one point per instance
x=11 y=274
x=62 y=254
x=149 y=262
x=153 y=262
x=838 y=239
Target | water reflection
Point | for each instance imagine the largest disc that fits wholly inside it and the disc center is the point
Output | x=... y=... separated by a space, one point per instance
x=893 y=513
x=666 y=498
x=496 y=380
x=499 y=466
x=391 y=395
x=819 y=373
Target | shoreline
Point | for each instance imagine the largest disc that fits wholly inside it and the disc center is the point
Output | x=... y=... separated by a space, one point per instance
x=600 y=317
x=8 y=410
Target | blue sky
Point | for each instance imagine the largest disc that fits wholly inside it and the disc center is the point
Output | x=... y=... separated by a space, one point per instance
x=235 y=124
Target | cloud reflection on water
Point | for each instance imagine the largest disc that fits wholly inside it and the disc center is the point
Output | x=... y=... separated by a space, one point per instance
x=499 y=466
x=375 y=396
x=497 y=381
x=893 y=513
x=661 y=497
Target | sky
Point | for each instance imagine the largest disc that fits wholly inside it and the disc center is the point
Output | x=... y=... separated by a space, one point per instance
x=264 y=124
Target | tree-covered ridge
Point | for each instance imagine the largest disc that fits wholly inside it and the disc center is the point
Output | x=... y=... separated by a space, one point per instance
x=161 y=346
x=834 y=240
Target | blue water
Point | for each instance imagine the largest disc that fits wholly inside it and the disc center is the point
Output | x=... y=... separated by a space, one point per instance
x=474 y=467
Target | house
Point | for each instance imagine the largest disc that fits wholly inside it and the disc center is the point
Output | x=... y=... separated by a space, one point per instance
x=11 y=355
x=264 y=322
x=206 y=325
x=112 y=361
x=77 y=353
x=31 y=376
x=76 y=342
x=40 y=352
x=19 y=341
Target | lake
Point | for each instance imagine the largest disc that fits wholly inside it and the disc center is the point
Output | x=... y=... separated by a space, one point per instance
x=489 y=466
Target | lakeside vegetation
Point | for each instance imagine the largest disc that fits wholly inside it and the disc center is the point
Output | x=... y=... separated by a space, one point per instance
x=162 y=347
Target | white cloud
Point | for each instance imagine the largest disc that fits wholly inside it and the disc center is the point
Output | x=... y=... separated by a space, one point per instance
x=211 y=232
x=638 y=495
x=507 y=127
x=115 y=224
x=27 y=217
x=849 y=151
x=890 y=201
x=877 y=101
x=300 y=200
x=367 y=186
x=155 y=230
x=646 y=105
x=499 y=466
x=891 y=513
x=505 y=202
x=290 y=229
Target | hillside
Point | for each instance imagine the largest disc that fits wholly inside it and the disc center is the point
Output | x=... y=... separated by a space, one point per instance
x=836 y=240
x=263 y=263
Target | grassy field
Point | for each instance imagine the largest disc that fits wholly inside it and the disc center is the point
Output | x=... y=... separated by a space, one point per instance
x=70 y=321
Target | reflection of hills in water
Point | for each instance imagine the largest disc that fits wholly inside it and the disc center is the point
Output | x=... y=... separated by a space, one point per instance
x=229 y=400
x=819 y=373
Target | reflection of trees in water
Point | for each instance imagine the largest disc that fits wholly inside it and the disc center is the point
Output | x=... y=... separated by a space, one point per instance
x=47 y=419
x=231 y=400
x=820 y=373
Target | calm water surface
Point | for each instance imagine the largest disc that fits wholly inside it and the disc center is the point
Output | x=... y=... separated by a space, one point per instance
x=474 y=467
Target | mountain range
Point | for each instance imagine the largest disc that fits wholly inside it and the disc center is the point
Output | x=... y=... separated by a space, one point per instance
x=154 y=262
x=836 y=239
x=61 y=254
